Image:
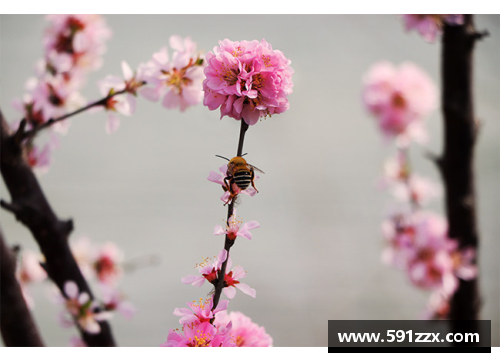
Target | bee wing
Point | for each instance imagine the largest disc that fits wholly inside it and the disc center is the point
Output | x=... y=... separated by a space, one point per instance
x=256 y=168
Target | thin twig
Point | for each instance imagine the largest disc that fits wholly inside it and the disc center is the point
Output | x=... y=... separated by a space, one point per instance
x=228 y=243
x=101 y=102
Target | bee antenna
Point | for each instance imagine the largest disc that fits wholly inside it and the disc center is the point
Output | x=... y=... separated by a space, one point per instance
x=244 y=154
x=223 y=157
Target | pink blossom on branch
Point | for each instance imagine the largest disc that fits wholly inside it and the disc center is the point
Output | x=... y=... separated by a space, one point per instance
x=419 y=244
x=210 y=271
x=199 y=312
x=177 y=80
x=430 y=25
x=79 y=38
x=81 y=309
x=124 y=102
x=245 y=332
x=399 y=98
x=417 y=189
x=235 y=228
x=247 y=80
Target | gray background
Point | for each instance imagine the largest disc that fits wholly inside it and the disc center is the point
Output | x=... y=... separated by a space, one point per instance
x=317 y=254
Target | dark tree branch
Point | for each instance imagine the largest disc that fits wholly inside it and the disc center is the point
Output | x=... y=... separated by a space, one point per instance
x=17 y=326
x=228 y=243
x=457 y=166
x=31 y=208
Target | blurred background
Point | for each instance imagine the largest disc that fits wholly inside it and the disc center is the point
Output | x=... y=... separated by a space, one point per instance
x=317 y=253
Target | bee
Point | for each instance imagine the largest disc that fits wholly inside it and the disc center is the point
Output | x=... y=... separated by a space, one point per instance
x=241 y=173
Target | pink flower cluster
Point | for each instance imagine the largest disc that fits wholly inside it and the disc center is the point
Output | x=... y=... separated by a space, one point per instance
x=226 y=330
x=430 y=25
x=104 y=264
x=73 y=46
x=399 y=98
x=245 y=332
x=247 y=80
x=418 y=244
x=197 y=330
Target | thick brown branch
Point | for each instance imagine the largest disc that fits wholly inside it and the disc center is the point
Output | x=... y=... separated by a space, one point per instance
x=17 y=326
x=460 y=131
x=31 y=208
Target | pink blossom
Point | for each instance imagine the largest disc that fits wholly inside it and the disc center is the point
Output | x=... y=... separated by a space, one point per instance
x=178 y=80
x=107 y=263
x=40 y=158
x=210 y=272
x=123 y=103
x=200 y=335
x=219 y=179
x=399 y=98
x=235 y=229
x=245 y=332
x=29 y=269
x=438 y=306
x=84 y=253
x=53 y=97
x=82 y=309
x=417 y=189
x=430 y=25
x=79 y=38
x=247 y=80
x=464 y=263
x=113 y=300
x=199 y=312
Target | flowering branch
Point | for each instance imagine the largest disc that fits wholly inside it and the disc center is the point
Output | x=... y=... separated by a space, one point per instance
x=228 y=242
x=16 y=323
x=31 y=207
x=457 y=162
x=33 y=132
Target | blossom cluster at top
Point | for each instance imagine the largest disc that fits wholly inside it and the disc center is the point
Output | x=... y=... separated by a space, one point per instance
x=399 y=98
x=247 y=80
x=430 y=26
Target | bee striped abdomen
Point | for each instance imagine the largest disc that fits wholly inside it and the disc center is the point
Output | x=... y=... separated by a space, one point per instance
x=242 y=179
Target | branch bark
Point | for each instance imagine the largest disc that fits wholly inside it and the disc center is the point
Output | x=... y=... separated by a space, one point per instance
x=31 y=208
x=16 y=323
x=457 y=162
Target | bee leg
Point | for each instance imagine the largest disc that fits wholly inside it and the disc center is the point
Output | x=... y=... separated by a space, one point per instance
x=252 y=174
x=229 y=188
